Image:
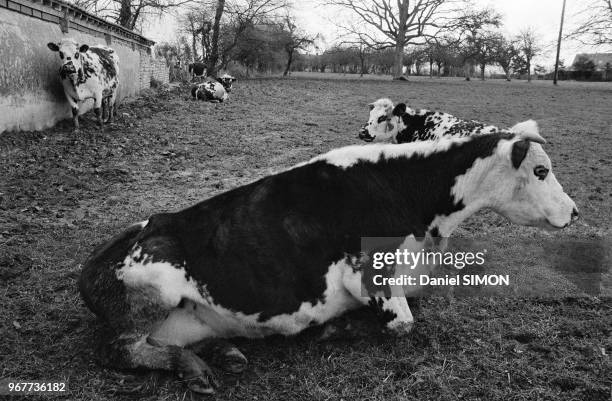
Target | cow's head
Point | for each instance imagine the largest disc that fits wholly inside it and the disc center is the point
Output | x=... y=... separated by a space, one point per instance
x=382 y=126
x=226 y=80
x=523 y=187
x=71 y=55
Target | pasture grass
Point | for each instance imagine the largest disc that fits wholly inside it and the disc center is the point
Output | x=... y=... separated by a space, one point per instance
x=61 y=194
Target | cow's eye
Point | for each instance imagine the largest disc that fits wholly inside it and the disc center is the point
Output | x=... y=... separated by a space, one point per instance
x=381 y=119
x=61 y=55
x=541 y=172
x=76 y=55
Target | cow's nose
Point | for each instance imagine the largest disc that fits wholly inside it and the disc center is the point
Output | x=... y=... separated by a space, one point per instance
x=575 y=214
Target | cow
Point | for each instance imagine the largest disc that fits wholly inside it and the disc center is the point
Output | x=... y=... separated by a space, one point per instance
x=283 y=253
x=197 y=70
x=401 y=124
x=216 y=90
x=88 y=72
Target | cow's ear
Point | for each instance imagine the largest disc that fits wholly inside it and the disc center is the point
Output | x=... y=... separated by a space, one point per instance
x=519 y=152
x=399 y=110
x=83 y=48
x=53 y=46
x=371 y=106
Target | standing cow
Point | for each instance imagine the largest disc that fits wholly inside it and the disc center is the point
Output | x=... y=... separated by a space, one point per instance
x=88 y=73
x=197 y=70
x=278 y=255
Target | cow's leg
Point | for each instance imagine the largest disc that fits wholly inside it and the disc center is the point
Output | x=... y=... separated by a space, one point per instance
x=112 y=107
x=222 y=354
x=395 y=309
x=74 y=107
x=186 y=325
x=98 y=109
x=153 y=332
x=134 y=351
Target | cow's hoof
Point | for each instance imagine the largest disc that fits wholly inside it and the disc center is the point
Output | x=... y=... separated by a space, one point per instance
x=200 y=385
x=399 y=329
x=233 y=361
x=198 y=376
x=330 y=332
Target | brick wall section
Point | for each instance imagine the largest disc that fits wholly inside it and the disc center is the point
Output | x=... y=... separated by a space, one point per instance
x=152 y=68
x=144 y=75
x=160 y=71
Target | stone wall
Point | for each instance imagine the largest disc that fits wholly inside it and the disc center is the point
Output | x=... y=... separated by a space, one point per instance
x=31 y=96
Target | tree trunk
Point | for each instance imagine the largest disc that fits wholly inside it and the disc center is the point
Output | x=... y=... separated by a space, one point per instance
x=467 y=67
x=399 y=60
x=214 y=51
x=400 y=40
x=362 y=61
x=289 y=60
x=528 y=70
x=482 y=71
x=194 y=48
x=431 y=67
x=125 y=14
x=507 y=71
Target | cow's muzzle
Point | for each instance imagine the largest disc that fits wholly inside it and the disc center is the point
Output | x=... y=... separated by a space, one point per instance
x=68 y=68
x=364 y=134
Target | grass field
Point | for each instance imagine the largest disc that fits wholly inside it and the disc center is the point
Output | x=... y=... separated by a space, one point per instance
x=61 y=194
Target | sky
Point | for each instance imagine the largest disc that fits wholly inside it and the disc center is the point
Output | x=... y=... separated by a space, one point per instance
x=542 y=15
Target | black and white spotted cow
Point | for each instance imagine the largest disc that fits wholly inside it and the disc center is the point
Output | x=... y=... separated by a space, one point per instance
x=216 y=90
x=401 y=124
x=88 y=72
x=280 y=254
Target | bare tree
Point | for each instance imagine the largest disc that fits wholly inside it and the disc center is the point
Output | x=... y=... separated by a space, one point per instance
x=190 y=23
x=220 y=25
x=395 y=24
x=242 y=16
x=129 y=13
x=485 y=52
x=595 y=26
x=504 y=53
x=529 y=47
x=214 y=45
x=473 y=27
x=293 y=40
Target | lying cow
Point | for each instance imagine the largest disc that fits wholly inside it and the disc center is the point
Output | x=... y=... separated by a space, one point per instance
x=216 y=90
x=88 y=73
x=278 y=255
x=401 y=124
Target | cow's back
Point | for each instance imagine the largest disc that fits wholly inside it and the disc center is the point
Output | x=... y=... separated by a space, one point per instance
x=105 y=63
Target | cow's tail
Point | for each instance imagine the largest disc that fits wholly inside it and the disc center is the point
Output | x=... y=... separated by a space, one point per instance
x=99 y=286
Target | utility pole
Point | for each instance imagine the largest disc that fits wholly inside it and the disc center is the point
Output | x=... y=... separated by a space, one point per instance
x=559 y=44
